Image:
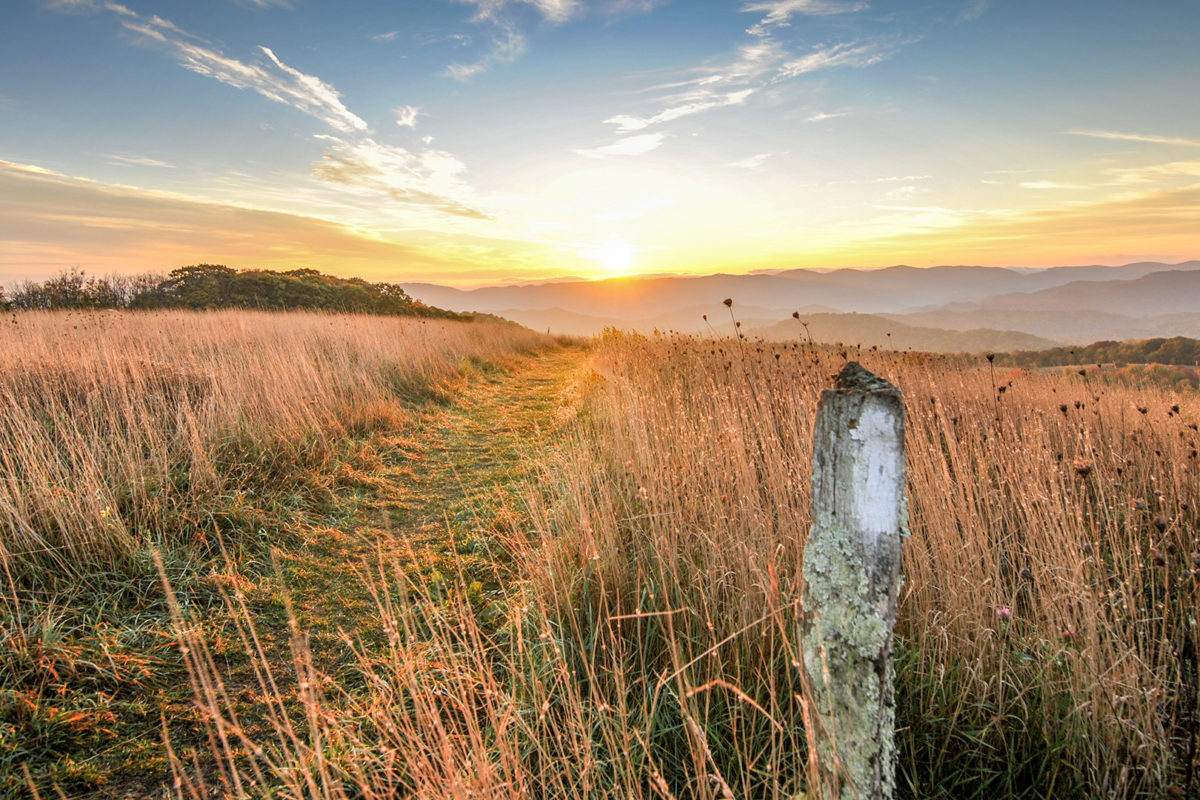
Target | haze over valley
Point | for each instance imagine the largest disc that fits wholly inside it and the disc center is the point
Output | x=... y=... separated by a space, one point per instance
x=947 y=309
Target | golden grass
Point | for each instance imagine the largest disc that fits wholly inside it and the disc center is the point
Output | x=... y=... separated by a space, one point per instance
x=1049 y=612
x=649 y=649
x=118 y=429
x=643 y=641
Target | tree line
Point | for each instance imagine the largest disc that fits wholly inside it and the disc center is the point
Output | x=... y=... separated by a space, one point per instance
x=213 y=286
x=1178 y=350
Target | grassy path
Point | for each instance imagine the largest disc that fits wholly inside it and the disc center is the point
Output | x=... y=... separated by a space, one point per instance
x=443 y=491
x=432 y=486
x=434 y=496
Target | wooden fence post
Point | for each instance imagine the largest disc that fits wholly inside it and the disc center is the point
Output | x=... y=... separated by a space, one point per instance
x=852 y=579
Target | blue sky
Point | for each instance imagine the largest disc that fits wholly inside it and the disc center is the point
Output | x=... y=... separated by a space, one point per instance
x=488 y=141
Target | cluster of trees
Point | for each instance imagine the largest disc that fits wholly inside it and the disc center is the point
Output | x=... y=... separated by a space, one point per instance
x=1167 y=376
x=208 y=286
x=1179 y=350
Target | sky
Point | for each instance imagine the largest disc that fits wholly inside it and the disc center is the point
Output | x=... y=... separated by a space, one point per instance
x=473 y=142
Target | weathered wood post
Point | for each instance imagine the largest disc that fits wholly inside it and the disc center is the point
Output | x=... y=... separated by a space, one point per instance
x=852 y=578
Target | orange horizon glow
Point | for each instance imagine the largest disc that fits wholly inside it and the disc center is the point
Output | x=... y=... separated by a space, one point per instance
x=109 y=229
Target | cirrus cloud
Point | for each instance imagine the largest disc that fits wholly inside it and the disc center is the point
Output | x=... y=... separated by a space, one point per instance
x=272 y=78
x=628 y=146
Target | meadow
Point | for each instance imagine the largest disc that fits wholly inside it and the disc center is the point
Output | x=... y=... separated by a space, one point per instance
x=622 y=620
x=135 y=445
x=120 y=429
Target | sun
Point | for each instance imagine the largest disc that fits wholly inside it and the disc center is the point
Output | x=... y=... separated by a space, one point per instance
x=615 y=256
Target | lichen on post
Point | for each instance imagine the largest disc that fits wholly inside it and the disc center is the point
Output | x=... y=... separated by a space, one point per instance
x=852 y=579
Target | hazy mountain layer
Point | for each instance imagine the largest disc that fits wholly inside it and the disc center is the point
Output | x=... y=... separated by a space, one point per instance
x=1067 y=327
x=970 y=308
x=891 y=290
x=1168 y=292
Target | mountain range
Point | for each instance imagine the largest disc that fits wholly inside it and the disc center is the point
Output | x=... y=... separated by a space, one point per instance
x=948 y=308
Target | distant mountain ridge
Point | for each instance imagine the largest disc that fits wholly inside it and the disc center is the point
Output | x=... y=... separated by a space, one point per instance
x=1068 y=304
x=1167 y=292
x=891 y=289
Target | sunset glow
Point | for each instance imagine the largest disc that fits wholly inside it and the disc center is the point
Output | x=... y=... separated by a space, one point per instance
x=491 y=141
x=614 y=257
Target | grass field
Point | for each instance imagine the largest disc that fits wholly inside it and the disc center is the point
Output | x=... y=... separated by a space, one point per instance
x=444 y=560
x=251 y=439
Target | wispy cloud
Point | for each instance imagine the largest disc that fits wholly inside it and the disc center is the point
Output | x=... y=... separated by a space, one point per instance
x=386 y=36
x=629 y=8
x=780 y=12
x=899 y=179
x=758 y=65
x=1136 y=137
x=846 y=54
x=972 y=10
x=353 y=162
x=271 y=78
x=426 y=40
x=406 y=116
x=629 y=146
x=313 y=96
x=626 y=123
x=74 y=6
x=508 y=43
x=137 y=161
x=1155 y=173
x=429 y=178
x=265 y=3
x=752 y=162
x=729 y=84
x=821 y=116
x=552 y=10
x=753 y=61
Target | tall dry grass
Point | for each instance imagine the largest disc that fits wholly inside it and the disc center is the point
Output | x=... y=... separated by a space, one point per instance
x=119 y=430
x=649 y=648
x=1048 y=622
